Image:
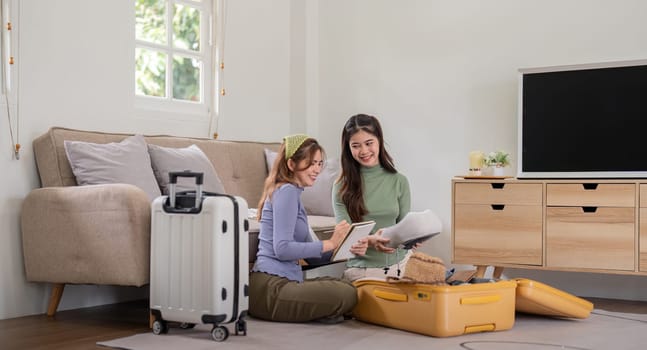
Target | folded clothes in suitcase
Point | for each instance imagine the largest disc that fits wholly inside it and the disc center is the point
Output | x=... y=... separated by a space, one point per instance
x=437 y=310
x=199 y=260
x=537 y=298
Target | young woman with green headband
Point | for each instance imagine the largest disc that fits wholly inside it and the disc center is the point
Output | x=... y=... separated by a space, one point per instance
x=278 y=291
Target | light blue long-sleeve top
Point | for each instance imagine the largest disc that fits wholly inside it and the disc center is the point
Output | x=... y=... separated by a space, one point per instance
x=284 y=236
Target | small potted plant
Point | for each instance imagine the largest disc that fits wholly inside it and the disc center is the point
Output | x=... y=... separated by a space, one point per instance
x=497 y=161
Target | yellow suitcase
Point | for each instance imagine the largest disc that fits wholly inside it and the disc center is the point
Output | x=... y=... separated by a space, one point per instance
x=537 y=298
x=439 y=311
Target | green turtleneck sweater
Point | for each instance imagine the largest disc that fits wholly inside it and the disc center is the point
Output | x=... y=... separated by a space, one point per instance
x=387 y=199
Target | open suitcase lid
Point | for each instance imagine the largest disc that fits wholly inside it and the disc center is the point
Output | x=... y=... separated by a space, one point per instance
x=537 y=298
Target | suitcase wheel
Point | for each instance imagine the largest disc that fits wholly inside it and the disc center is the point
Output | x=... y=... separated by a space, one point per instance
x=241 y=327
x=219 y=333
x=160 y=327
x=186 y=325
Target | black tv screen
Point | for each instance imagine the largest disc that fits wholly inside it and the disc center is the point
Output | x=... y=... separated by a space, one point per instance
x=583 y=121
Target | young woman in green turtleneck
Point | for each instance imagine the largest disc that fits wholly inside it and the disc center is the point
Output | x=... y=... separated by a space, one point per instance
x=369 y=188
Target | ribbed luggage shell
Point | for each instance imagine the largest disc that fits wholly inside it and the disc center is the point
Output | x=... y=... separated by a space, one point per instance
x=199 y=263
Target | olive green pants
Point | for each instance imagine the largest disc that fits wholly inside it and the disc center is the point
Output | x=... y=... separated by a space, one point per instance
x=276 y=298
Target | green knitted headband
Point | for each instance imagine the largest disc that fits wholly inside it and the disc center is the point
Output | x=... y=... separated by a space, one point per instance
x=292 y=144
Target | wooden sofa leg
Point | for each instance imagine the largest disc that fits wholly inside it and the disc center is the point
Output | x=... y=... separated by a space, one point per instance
x=55 y=298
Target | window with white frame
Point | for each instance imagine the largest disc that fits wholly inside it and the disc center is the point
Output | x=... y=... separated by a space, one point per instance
x=173 y=55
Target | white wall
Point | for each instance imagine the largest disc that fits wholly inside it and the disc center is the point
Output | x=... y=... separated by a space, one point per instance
x=442 y=78
x=257 y=70
x=441 y=75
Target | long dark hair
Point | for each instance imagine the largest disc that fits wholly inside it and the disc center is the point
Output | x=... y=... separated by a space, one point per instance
x=351 y=189
x=281 y=173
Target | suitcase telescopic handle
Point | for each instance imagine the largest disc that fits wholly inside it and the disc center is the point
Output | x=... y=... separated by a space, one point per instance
x=173 y=175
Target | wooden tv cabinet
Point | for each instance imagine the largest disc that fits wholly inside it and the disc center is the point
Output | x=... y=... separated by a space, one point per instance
x=592 y=225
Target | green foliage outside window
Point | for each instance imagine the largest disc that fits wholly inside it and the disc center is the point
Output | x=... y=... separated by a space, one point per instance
x=186 y=79
x=150 y=21
x=150 y=74
x=186 y=28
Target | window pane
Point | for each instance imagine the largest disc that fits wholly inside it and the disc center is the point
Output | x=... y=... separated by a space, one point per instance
x=150 y=72
x=186 y=78
x=186 y=28
x=150 y=20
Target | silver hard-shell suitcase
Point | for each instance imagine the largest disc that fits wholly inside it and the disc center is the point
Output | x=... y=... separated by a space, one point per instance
x=199 y=260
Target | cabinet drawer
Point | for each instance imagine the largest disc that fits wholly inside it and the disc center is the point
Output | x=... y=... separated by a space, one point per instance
x=643 y=195
x=484 y=234
x=590 y=194
x=498 y=193
x=603 y=239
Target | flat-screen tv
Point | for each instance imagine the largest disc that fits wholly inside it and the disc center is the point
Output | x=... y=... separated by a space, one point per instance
x=583 y=121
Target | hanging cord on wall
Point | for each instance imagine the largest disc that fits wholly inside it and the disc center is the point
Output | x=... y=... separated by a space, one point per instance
x=15 y=144
x=220 y=11
x=7 y=59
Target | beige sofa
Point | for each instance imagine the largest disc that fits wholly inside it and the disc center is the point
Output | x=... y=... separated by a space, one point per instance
x=100 y=234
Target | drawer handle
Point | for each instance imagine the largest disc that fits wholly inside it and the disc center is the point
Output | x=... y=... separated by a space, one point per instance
x=497 y=185
x=497 y=206
x=589 y=209
x=589 y=187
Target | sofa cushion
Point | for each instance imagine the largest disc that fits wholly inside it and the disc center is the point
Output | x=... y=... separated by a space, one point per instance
x=270 y=157
x=116 y=162
x=167 y=159
x=240 y=165
x=317 y=199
